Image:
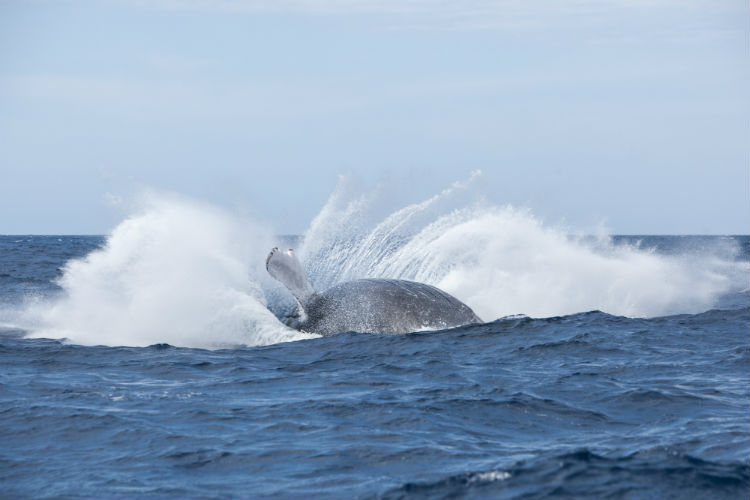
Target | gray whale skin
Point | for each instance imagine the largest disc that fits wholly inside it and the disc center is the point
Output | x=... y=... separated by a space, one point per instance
x=368 y=305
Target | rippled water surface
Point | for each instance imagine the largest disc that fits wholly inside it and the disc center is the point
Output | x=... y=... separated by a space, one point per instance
x=584 y=405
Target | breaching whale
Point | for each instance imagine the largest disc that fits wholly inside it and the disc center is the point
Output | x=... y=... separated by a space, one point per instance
x=367 y=305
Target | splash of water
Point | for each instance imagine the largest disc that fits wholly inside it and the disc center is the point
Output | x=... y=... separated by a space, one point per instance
x=188 y=274
x=503 y=261
x=176 y=272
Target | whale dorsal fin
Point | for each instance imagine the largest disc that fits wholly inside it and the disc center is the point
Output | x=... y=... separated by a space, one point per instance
x=286 y=268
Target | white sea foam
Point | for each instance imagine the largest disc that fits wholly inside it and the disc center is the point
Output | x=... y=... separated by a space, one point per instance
x=189 y=274
x=489 y=476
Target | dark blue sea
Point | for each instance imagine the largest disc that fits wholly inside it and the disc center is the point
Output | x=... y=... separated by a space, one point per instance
x=109 y=390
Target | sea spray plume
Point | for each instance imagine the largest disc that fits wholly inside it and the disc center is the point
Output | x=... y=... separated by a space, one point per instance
x=176 y=272
x=503 y=260
x=341 y=241
x=517 y=265
x=332 y=232
x=396 y=229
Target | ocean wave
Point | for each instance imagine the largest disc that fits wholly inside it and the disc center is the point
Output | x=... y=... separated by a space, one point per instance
x=660 y=473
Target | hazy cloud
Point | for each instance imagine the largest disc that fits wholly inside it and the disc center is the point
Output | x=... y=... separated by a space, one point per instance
x=516 y=15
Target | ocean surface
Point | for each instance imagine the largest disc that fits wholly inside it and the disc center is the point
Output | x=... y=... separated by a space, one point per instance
x=131 y=368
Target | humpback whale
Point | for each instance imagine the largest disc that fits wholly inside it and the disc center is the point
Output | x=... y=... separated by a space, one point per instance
x=367 y=305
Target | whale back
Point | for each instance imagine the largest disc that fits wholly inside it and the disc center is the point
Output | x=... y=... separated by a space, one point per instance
x=286 y=268
x=384 y=306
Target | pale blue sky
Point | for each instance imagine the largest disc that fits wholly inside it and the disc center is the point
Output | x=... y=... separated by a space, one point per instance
x=633 y=113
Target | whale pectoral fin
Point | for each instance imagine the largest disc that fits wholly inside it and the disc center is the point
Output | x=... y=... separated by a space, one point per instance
x=286 y=268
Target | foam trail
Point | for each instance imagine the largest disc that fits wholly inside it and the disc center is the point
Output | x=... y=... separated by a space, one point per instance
x=177 y=272
x=503 y=261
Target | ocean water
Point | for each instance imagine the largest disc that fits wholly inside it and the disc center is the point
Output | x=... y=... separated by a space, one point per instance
x=152 y=363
